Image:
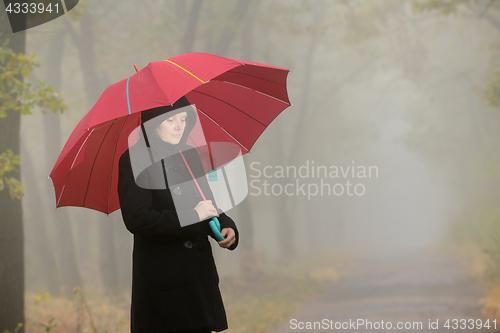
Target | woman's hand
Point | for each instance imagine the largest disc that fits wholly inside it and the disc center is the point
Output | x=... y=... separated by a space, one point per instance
x=230 y=237
x=206 y=210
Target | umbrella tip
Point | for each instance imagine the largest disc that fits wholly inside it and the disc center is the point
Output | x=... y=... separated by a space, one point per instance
x=136 y=68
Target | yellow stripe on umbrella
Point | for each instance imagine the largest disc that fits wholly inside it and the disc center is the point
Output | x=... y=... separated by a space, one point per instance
x=185 y=70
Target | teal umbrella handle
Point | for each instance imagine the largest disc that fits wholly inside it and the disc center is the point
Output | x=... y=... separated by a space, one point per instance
x=215 y=225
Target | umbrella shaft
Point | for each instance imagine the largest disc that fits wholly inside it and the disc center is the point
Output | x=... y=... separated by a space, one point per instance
x=191 y=173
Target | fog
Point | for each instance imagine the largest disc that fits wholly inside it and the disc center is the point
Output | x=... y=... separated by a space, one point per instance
x=373 y=84
x=366 y=99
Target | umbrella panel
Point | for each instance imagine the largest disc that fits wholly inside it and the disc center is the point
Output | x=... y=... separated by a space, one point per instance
x=238 y=110
x=265 y=80
x=85 y=184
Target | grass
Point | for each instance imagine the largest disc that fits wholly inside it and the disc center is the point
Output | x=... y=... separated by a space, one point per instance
x=92 y=313
x=258 y=309
x=491 y=306
x=476 y=241
x=273 y=296
x=268 y=294
x=484 y=268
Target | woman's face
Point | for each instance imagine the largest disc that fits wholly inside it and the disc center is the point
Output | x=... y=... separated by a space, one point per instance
x=171 y=129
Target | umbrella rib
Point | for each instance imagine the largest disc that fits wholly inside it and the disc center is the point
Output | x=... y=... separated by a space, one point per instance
x=257 y=91
x=223 y=101
x=113 y=159
x=71 y=168
x=216 y=123
x=93 y=164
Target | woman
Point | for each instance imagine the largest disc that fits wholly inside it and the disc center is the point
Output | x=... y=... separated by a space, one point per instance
x=174 y=281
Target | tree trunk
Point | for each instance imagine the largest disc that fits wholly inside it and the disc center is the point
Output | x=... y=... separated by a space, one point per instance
x=250 y=260
x=228 y=34
x=94 y=85
x=107 y=258
x=286 y=211
x=67 y=256
x=11 y=235
x=189 y=36
x=123 y=244
x=180 y=10
x=44 y=266
x=53 y=142
x=65 y=245
x=11 y=218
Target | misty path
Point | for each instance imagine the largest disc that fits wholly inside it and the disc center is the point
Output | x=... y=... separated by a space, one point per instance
x=412 y=288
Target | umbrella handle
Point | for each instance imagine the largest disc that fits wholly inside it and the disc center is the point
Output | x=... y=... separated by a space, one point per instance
x=215 y=225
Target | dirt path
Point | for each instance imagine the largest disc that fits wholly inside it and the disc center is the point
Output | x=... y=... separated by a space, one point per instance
x=404 y=289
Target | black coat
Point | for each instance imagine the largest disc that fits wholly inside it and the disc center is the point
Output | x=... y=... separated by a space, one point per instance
x=175 y=285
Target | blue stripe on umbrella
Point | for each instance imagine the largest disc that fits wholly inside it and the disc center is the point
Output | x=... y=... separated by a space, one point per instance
x=128 y=100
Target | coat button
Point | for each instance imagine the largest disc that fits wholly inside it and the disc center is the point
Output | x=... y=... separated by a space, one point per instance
x=188 y=244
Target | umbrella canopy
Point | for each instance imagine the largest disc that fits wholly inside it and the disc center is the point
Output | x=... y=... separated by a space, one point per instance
x=236 y=100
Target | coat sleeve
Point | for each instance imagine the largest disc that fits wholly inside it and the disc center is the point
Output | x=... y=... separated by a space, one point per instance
x=136 y=206
x=227 y=222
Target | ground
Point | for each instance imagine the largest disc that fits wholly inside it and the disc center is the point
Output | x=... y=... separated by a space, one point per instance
x=412 y=288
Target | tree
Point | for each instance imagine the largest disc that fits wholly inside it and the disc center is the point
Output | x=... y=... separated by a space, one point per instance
x=17 y=97
x=94 y=84
x=488 y=10
x=471 y=143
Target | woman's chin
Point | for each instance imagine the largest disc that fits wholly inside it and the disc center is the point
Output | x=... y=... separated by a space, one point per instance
x=174 y=142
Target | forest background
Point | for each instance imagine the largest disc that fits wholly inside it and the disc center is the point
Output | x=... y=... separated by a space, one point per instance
x=410 y=87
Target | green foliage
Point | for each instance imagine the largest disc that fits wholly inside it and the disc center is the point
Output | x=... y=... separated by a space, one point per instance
x=17 y=95
x=8 y=162
x=492 y=91
x=83 y=307
x=23 y=96
x=446 y=7
x=49 y=326
x=478 y=235
x=18 y=328
x=71 y=314
x=121 y=324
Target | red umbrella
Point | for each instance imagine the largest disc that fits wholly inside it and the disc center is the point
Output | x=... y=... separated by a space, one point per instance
x=236 y=100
